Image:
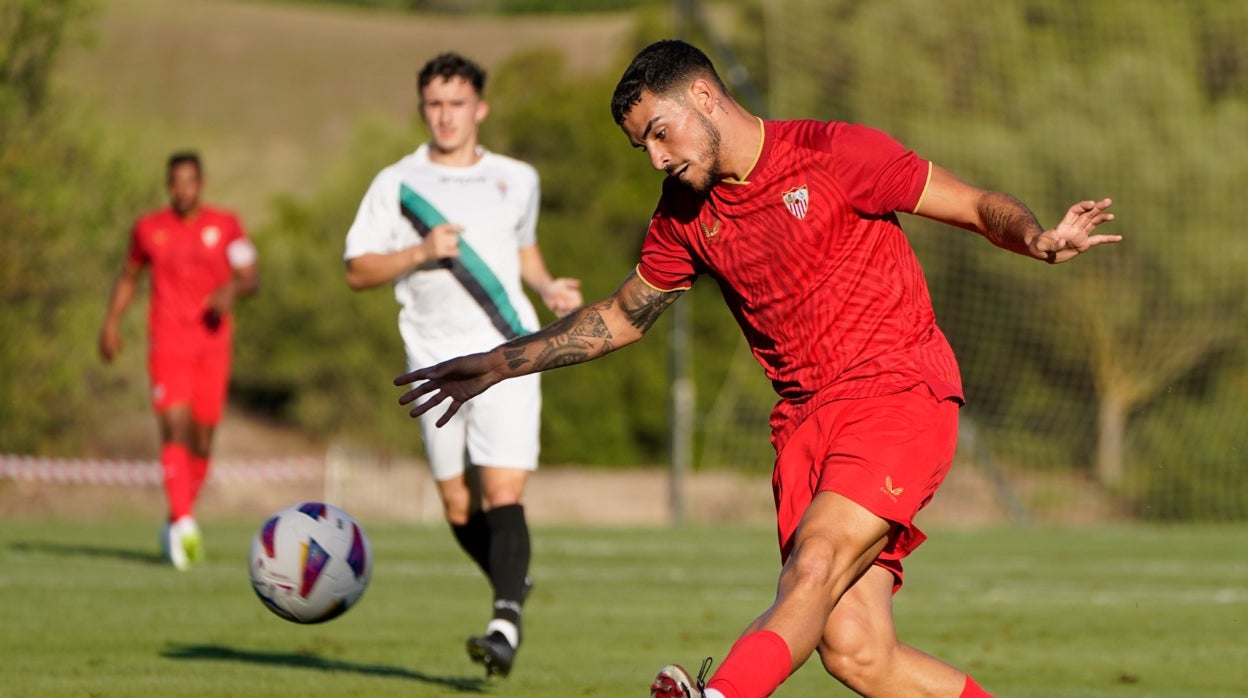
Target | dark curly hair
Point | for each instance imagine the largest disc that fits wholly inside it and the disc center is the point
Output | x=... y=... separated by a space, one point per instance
x=452 y=65
x=660 y=68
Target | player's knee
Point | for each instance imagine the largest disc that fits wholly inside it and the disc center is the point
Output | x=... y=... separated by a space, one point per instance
x=502 y=487
x=812 y=567
x=456 y=506
x=495 y=500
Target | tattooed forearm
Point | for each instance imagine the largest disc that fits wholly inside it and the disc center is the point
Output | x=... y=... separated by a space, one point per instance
x=590 y=332
x=515 y=357
x=572 y=339
x=644 y=305
x=1008 y=223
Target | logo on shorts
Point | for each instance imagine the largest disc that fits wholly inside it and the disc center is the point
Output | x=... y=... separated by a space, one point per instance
x=158 y=392
x=888 y=489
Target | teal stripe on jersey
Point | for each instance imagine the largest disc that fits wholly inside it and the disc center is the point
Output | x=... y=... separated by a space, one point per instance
x=470 y=270
x=423 y=210
x=493 y=287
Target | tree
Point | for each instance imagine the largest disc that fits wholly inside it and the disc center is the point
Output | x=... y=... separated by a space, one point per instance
x=61 y=201
x=1054 y=102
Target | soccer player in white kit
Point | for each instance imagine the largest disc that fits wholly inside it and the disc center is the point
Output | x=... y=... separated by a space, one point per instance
x=453 y=227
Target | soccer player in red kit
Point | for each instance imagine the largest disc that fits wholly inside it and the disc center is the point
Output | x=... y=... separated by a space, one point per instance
x=200 y=261
x=796 y=221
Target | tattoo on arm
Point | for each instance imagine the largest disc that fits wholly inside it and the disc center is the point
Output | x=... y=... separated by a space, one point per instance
x=572 y=339
x=1008 y=223
x=644 y=305
x=584 y=335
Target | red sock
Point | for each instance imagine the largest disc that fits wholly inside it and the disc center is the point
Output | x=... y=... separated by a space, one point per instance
x=199 y=473
x=972 y=690
x=755 y=666
x=175 y=460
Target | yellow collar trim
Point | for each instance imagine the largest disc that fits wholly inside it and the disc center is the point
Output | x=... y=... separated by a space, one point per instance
x=762 y=137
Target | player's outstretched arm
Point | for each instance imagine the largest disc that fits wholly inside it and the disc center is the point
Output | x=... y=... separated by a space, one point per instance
x=122 y=295
x=584 y=335
x=1007 y=223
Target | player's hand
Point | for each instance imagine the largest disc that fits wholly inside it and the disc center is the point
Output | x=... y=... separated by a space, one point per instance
x=562 y=295
x=1073 y=235
x=442 y=242
x=220 y=301
x=110 y=343
x=458 y=380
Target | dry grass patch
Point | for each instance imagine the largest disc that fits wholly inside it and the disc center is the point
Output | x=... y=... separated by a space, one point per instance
x=272 y=93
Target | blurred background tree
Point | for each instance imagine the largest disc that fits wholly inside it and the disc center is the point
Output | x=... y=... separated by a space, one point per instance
x=1125 y=372
x=62 y=198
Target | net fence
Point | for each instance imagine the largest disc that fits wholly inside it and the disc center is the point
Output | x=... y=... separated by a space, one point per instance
x=1113 y=386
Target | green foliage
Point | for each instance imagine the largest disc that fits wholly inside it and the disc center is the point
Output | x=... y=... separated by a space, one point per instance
x=1055 y=103
x=597 y=195
x=310 y=352
x=63 y=203
x=572 y=6
x=31 y=37
x=1191 y=465
x=505 y=7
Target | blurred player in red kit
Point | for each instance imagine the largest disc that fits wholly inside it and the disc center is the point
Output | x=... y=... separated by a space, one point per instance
x=200 y=261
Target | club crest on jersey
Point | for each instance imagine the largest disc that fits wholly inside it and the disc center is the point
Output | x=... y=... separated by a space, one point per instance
x=211 y=236
x=709 y=232
x=797 y=200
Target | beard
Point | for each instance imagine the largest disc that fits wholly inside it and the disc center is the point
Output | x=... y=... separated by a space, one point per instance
x=710 y=155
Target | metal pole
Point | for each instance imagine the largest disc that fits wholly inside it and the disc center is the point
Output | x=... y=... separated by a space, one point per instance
x=682 y=391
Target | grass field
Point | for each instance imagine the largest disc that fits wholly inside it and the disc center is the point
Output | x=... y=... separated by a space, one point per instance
x=89 y=609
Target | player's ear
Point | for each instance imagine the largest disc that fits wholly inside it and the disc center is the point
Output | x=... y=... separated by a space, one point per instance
x=483 y=110
x=702 y=95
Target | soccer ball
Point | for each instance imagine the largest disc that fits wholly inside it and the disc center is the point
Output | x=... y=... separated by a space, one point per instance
x=310 y=562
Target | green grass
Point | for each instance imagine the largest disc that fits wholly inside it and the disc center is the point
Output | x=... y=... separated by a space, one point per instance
x=88 y=609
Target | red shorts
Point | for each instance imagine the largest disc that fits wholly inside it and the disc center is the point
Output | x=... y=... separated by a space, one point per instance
x=200 y=379
x=887 y=454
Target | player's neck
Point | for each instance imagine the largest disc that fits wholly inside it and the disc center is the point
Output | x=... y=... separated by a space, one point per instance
x=465 y=155
x=745 y=133
x=189 y=214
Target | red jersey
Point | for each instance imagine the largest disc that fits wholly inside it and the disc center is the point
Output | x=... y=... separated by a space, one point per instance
x=188 y=262
x=814 y=266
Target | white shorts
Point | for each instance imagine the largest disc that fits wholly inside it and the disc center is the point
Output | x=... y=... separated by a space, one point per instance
x=499 y=428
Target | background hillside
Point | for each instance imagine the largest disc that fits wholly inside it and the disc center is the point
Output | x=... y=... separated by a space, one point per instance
x=274 y=93
x=1123 y=375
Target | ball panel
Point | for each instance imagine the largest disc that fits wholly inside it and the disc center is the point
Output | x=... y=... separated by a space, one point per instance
x=267 y=531
x=310 y=562
x=358 y=557
x=314 y=560
x=316 y=510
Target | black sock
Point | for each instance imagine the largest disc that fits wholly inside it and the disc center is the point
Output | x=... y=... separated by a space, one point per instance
x=474 y=538
x=509 y=559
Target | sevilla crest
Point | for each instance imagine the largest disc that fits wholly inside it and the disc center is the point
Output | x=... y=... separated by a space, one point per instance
x=797 y=200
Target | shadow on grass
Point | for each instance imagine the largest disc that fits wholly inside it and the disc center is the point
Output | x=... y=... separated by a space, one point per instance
x=80 y=550
x=306 y=660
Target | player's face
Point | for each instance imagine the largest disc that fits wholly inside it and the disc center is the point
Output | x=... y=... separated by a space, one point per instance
x=452 y=110
x=680 y=140
x=184 y=186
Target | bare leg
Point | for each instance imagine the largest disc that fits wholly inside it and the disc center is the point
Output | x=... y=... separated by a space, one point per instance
x=835 y=543
x=860 y=647
x=831 y=597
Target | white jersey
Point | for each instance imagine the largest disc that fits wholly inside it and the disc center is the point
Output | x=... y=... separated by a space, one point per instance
x=473 y=303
